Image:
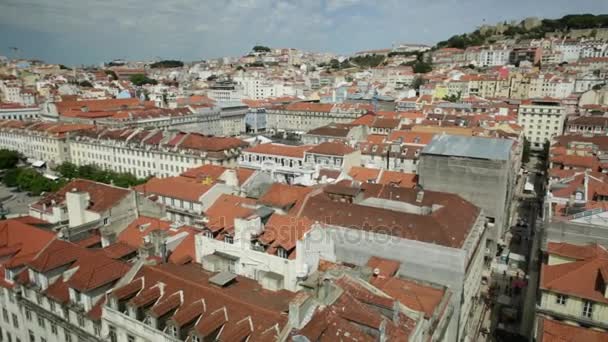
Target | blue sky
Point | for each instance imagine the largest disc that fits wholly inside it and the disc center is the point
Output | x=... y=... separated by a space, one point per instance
x=92 y=31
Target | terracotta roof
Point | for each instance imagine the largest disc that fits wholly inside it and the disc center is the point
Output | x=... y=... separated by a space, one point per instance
x=279 y=150
x=332 y=149
x=224 y=306
x=376 y=138
x=364 y=174
x=284 y=231
x=578 y=252
x=225 y=209
x=101 y=196
x=183 y=188
x=333 y=130
x=119 y=250
x=386 y=123
x=135 y=232
x=401 y=179
x=20 y=242
x=281 y=195
x=448 y=225
x=409 y=137
x=577 y=278
x=554 y=331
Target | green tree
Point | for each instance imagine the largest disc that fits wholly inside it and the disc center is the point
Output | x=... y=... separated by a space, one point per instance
x=170 y=63
x=26 y=178
x=67 y=170
x=260 y=48
x=417 y=82
x=10 y=177
x=8 y=159
x=112 y=74
x=85 y=84
x=141 y=79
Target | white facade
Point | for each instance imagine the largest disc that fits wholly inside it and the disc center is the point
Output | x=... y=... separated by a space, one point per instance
x=493 y=57
x=541 y=121
x=253 y=262
x=571 y=52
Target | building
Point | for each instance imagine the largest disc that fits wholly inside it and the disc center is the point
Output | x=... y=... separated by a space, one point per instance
x=42 y=142
x=542 y=120
x=12 y=111
x=346 y=133
x=285 y=163
x=574 y=285
x=171 y=302
x=481 y=170
x=332 y=155
x=145 y=153
x=303 y=117
x=415 y=227
x=20 y=243
x=596 y=125
x=63 y=291
x=493 y=56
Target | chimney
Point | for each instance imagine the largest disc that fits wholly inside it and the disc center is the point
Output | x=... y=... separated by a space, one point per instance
x=419 y=196
x=77 y=203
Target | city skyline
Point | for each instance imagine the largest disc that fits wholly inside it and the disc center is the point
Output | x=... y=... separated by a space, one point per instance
x=76 y=33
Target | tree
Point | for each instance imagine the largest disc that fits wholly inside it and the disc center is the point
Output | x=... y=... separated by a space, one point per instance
x=67 y=170
x=8 y=159
x=141 y=79
x=170 y=63
x=417 y=82
x=422 y=67
x=260 y=48
x=453 y=97
x=10 y=177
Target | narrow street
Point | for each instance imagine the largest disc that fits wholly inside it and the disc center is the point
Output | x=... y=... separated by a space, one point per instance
x=513 y=310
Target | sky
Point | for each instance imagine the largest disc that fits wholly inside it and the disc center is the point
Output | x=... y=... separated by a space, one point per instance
x=75 y=32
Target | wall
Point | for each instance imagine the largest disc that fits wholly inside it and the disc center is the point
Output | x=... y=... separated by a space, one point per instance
x=574 y=307
x=485 y=183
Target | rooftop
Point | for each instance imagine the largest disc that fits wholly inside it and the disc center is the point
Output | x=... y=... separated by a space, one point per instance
x=471 y=147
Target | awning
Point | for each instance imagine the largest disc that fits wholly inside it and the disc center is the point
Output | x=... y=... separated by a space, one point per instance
x=38 y=163
x=51 y=177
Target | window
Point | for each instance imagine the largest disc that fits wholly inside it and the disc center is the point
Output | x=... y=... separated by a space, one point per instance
x=106 y=221
x=112 y=334
x=282 y=253
x=54 y=328
x=130 y=338
x=68 y=336
x=5 y=315
x=587 y=309
x=173 y=330
x=42 y=339
x=15 y=321
x=40 y=321
x=561 y=299
x=228 y=239
x=32 y=336
x=80 y=321
x=28 y=315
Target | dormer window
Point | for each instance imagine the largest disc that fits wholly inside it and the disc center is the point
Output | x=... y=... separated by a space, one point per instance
x=173 y=330
x=228 y=239
x=196 y=339
x=208 y=233
x=282 y=253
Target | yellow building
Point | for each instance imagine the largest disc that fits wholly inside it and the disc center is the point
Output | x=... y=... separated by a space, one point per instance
x=574 y=285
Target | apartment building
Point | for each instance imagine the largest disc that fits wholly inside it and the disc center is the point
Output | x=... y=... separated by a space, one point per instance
x=41 y=141
x=285 y=163
x=347 y=133
x=22 y=242
x=333 y=156
x=493 y=56
x=302 y=117
x=574 y=285
x=542 y=120
x=12 y=111
x=410 y=226
x=146 y=153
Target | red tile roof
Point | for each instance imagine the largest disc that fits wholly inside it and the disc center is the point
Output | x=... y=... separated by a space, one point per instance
x=101 y=196
x=554 y=331
x=281 y=195
x=225 y=209
x=332 y=149
x=20 y=242
x=284 y=231
x=401 y=179
x=577 y=278
x=183 y=188
x=364 y=174
x=279 y=150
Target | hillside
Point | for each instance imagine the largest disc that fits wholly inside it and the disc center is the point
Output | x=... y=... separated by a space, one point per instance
x=530 y=28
